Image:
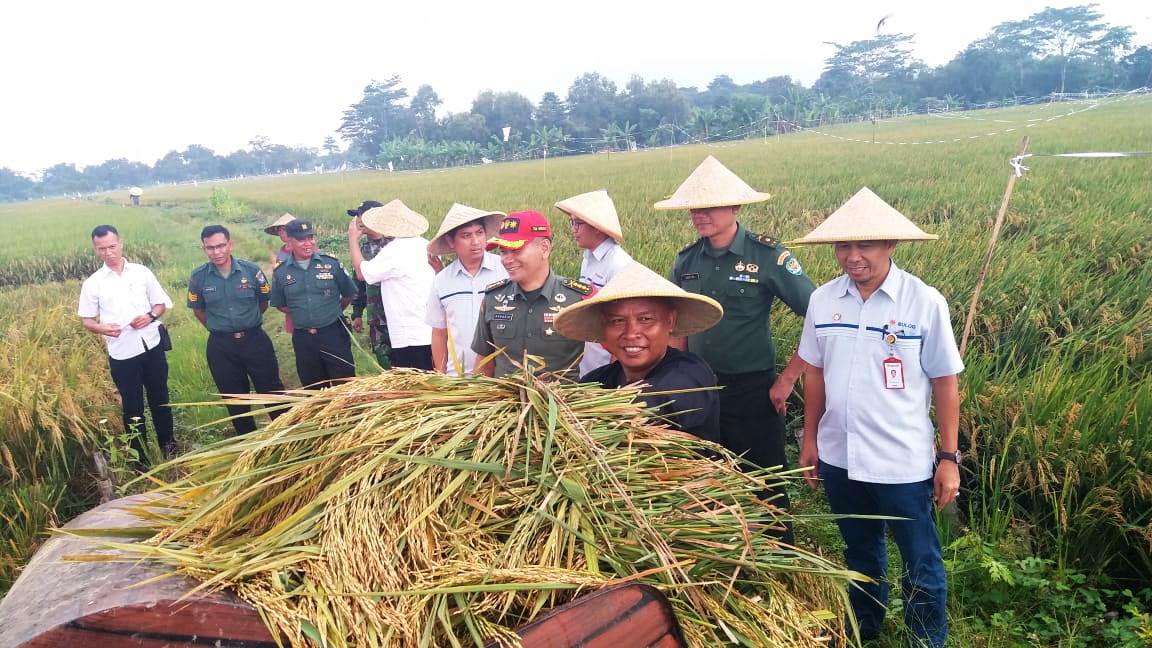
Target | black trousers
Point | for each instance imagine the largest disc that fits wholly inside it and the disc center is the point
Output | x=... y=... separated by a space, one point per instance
x=416 y=357
x=323 y=354
x=147 y=372
x=751 y=427
x=236 y=363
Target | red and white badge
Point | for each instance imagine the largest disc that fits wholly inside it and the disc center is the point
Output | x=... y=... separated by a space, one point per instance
x=893 y=373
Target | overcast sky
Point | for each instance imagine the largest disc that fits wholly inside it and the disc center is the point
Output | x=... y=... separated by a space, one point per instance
x=87 y=81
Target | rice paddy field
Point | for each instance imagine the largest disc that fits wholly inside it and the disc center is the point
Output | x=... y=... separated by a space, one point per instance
x=1057 y=393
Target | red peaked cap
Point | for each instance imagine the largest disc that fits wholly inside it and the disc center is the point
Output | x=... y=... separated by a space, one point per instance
x=517 y=228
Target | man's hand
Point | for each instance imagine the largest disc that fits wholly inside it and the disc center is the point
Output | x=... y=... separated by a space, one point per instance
x=809 y=456
x=358 y=324
x=946 y=484
x=139 y=322
x=354 y=229
x=111 y=330
x=779 y=393
x=435 y=262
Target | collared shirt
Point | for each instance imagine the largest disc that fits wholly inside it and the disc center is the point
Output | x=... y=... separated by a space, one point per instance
x=401 y=268
x=453 y=303
x=879 y=434
x=369 y=295
x=596 y=268
x=313 y=295
x=520 y=326
x=696 y=412
x=229 y=303
x=745 y=279
x=120 y=298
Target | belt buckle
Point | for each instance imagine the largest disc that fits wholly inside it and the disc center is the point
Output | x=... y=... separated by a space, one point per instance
x=238 y=335
x=313 y=331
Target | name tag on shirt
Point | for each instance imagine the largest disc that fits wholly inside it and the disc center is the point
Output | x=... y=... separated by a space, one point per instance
x=893 y=374
x=690 y=276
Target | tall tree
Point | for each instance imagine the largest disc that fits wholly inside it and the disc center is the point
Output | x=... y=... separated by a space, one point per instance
x=331 y=148
x=501 y=109
x=377 y=117
x=591 y=103
x=423 y=109
x=880 y=65
x=550 y=112
x=14 y=186
x=1072 y=33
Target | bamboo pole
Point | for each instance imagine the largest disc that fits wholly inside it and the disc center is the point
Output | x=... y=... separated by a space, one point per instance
x=991 y=248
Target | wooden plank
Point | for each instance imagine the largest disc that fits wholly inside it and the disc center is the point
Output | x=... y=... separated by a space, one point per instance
x=617 y=617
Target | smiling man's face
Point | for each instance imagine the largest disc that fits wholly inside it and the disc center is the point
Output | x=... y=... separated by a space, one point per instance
x=637 y=332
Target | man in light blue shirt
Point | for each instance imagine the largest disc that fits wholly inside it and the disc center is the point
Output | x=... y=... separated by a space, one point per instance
x=880 y=349
x=596 y=230
x=458 y=290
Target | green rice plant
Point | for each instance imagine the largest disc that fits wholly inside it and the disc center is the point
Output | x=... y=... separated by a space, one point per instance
x=479 y=503
x=26 y=512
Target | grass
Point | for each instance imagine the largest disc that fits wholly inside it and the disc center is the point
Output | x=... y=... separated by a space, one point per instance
x=1056 y=394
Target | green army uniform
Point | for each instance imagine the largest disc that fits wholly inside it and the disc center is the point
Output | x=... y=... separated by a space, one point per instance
x=509 y=320
x=320 y=338
x=746 y=278
x=240 y=354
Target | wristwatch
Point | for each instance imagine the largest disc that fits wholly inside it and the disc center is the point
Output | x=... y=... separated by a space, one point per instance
x=153 y=315
x=954 y=457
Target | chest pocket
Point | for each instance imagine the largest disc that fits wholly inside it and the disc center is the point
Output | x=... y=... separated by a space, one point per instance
x=742 y=300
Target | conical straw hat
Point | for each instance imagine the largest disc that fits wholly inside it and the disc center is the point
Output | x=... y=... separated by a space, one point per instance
x=394 y=219
x=596 y=209
x=865 y=217
x=461 y=215
x=712 y=185
x=279 y=222
x=694 y=313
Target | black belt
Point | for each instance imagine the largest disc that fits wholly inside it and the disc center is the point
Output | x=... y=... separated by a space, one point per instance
x=317 y=329
x=238 y=335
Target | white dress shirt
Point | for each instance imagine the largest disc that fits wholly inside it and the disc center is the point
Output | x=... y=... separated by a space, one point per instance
x=454 y=304
x=877 y=432
x=114 y=298
x=596 y=268
x=401 y=268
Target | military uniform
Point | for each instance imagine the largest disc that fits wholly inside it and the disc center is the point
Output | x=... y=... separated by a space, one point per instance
x=368 y=301
x=313 y=297
x=522 y=324
x=239 y=351
x=746 y=278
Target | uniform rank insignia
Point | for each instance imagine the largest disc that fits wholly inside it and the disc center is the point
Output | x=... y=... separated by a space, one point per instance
x=793 y=266
x=766 y=240
x=260 y=276
x=496 y=285
x=288 y=280
x=744 y=278
x=560 y=298
x=504 y=308
x=578 y=286
x=549 y=318
x=783 y=257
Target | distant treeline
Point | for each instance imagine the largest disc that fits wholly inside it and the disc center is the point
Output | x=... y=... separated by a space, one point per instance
x=1068 y=50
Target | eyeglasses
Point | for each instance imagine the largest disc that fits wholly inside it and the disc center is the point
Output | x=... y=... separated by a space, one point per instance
x=215 y=248
x=576 y=223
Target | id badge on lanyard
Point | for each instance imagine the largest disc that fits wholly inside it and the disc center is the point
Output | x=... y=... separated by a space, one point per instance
x=893 y=366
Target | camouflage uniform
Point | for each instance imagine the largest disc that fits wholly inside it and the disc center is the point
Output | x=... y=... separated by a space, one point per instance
x=369 y=300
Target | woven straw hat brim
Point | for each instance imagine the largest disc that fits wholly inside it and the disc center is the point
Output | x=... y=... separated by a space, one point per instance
x=712 y=185
x=394 y=219
x=694 y=313
x=865 y=217
x=279 y=222
x=597 y=209
x=462 y=215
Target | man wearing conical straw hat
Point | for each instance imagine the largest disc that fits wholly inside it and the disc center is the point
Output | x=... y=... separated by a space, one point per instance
x=596 y=230
x=405 y=278
x=746 y=273
x=879 y=347
x=458 y=290
x=367 y=300
x=635 y=317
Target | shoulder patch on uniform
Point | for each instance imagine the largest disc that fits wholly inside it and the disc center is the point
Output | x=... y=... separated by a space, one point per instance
x=766 y=240
x=578 y=286
x=496 y=285
x=688 y=247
